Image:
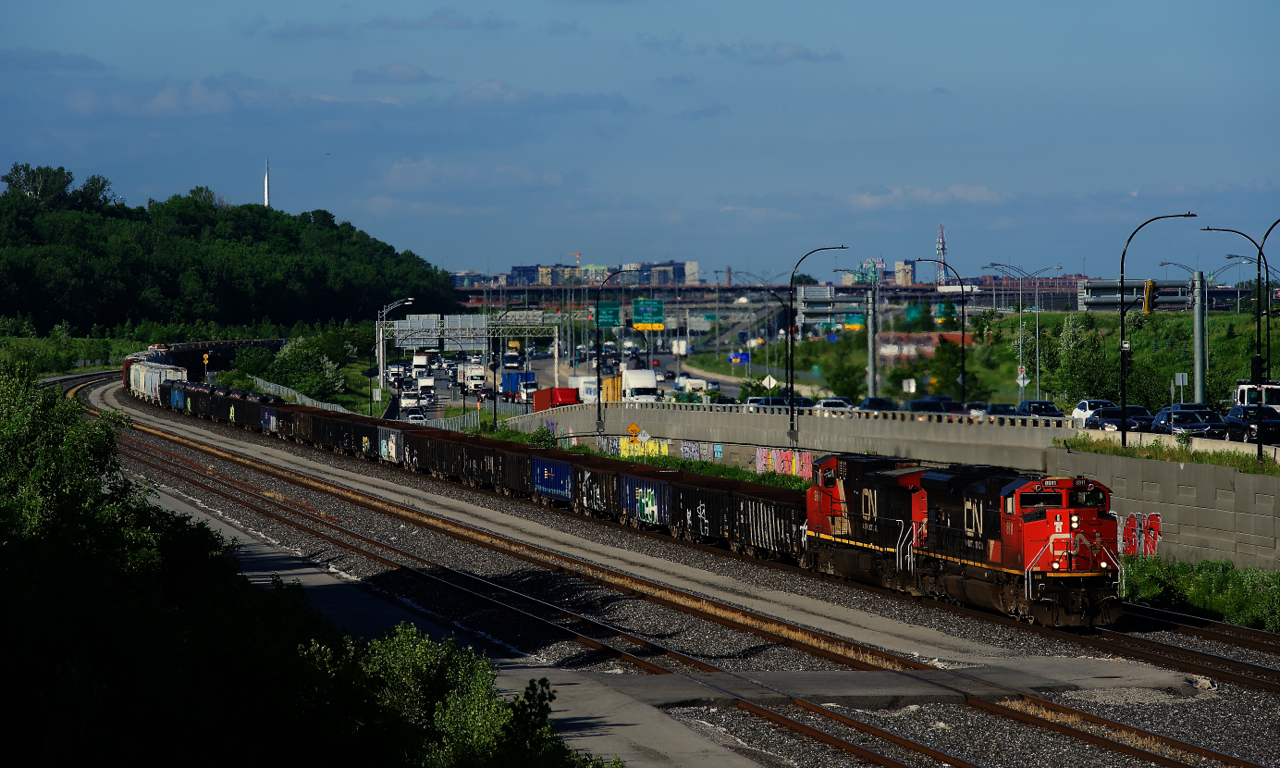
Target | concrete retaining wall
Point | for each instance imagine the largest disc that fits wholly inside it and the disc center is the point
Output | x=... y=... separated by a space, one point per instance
x=1020 y=443
x=1206 y=511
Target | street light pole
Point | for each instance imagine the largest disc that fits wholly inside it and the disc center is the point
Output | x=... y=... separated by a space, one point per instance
x=964 y=379
x=599 y=362
x=1198 y=335
x=382 y=355
x=1024 y=275
x=1124 y=392
x=1256 y=368
x=792 y=434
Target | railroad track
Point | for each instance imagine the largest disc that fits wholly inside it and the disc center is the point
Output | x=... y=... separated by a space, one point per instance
x=1207 y=629
x=1134 y=742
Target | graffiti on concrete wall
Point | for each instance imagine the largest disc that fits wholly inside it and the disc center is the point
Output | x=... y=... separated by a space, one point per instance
x=653 y=447
x=1141 y=534
x=784 y=461
x=700 y=451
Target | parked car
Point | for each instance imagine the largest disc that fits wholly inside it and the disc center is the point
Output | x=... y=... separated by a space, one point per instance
x=726 y=401
x=1247 y=424
x=417 y=418
x=1039 y=408
x=951 y=406
x=1108 y=419
x=976 y=407
x=1189 y=407
x=1002 y=409
x=801 y=402
x=923 y=406
x=1171 y=422
x=877 y=404
x=1085 y=408
x=1217 y=425
x=937 y=398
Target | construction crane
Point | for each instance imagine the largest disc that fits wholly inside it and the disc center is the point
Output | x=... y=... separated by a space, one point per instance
x=577 y=258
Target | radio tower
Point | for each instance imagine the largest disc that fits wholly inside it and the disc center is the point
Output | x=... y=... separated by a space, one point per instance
x=266 y=186
x=941 y=274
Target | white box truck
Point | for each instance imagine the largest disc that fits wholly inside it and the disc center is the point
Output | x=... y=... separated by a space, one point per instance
x=472 y=377
x=640 y=387
x=586 y=386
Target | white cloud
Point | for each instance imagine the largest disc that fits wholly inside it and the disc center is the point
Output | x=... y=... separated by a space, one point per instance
x=899 y=198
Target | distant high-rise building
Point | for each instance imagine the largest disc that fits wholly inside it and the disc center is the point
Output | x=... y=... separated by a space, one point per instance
x=691 y=273
x=904 y=273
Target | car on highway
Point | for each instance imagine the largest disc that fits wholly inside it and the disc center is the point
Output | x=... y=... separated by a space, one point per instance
x=924 y=406
x=725 y=401
x=1246 y=424
x=1171 y=422
x=1002 y=409
x=832 y=404
x=713 y=385
x=951 y=406
x=1189 y=407
x=1085 y=408
x=1108 y=420
x=1039 y=408
x=876 y=404
x=417 y=418
x=668 y=375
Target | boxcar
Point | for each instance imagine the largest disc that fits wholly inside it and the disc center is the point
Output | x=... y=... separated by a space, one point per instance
x=769 y=522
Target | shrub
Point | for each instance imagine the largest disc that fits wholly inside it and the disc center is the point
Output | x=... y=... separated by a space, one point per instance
x=1214 y=589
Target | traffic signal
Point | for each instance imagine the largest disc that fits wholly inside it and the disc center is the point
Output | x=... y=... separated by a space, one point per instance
x=206 y=358
x=1149 y=298
x=1126 y=362
x=1256 y=369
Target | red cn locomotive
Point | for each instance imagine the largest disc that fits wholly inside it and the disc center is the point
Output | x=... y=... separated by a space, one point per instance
x=1033 y=547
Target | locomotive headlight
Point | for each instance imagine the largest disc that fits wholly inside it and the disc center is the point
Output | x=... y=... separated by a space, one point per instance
x=1056 y=565
x=1103 y=564
x=1075 y=522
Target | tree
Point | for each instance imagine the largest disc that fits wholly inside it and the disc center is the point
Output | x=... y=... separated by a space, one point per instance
x=803 y=279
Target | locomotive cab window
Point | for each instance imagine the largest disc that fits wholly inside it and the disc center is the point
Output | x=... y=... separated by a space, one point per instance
x=1094 y=498
x=1051 y=500
x=828 y=477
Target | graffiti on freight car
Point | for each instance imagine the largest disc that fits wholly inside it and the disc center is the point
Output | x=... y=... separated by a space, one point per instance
x=1141 y=535
x=784 y=461
x=647 y=505
x=591 y=493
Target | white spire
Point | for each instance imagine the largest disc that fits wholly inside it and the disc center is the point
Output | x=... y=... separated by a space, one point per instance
x=266 y=186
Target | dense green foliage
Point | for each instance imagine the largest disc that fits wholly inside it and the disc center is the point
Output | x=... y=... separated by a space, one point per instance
x=1213 y=589
x=82 y=255
x=135 y=635
x=543 y=437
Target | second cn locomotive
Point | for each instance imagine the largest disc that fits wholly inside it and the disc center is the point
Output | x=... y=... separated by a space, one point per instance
x=1033 y=547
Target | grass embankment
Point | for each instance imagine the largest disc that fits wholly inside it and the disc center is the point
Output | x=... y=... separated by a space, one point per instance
x=64 y=354
x=544 y=437
x=138 y=633
x=1242 y=462
x=1249 y=597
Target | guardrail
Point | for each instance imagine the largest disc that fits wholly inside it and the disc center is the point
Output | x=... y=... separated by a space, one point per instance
x=276 y=389
x=899 y=416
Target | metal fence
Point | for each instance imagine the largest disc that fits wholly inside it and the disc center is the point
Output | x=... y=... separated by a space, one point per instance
x=469 y=420
x=276 y=389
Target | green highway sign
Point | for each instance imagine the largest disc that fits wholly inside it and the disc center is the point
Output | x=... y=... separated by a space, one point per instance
x=648 y=315
x=710 y=317
x=610 y=315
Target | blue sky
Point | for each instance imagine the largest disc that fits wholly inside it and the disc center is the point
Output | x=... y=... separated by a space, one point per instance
x=742 y=134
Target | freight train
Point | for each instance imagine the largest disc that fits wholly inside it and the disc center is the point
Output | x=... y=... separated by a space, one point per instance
x=1021 y=544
